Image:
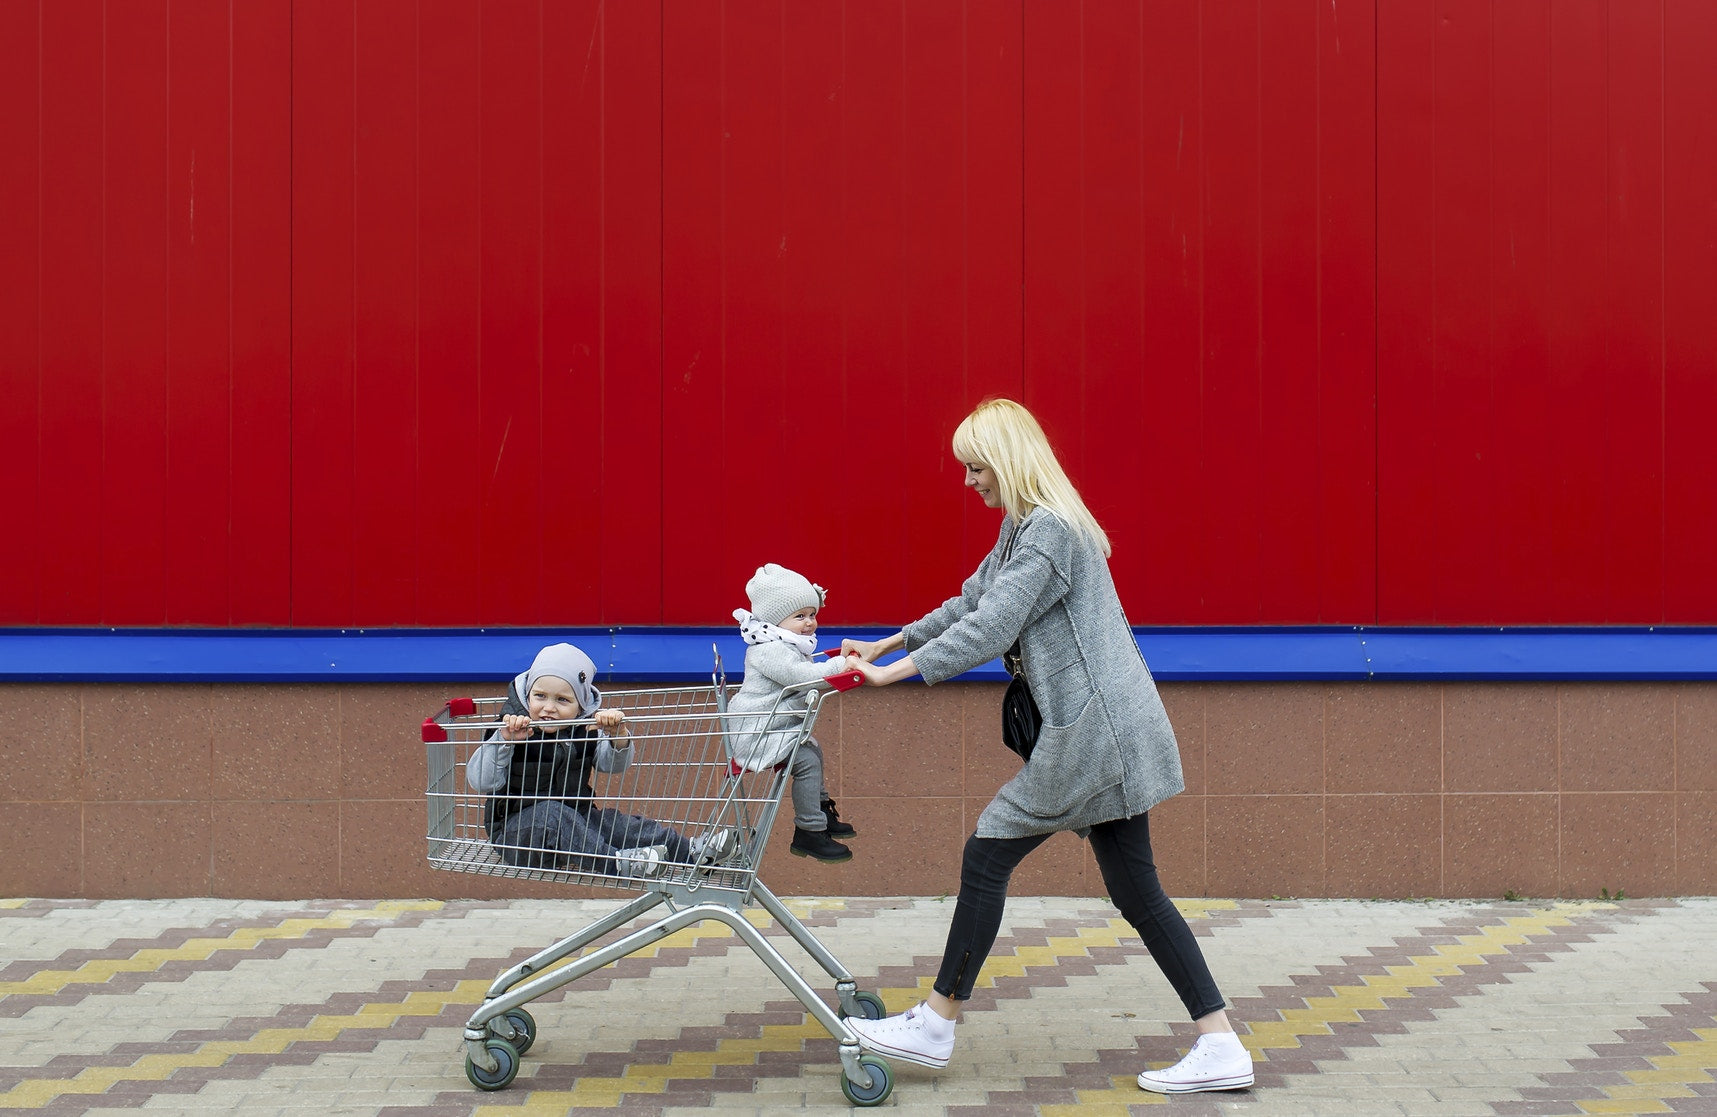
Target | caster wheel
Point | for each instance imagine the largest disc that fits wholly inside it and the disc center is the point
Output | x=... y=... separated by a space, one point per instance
x=524 y=1029
x=506 y=1068
x=870 y=1006
x=881 y=1083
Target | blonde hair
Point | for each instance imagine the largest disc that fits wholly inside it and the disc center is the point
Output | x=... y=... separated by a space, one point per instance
x=1007 y=438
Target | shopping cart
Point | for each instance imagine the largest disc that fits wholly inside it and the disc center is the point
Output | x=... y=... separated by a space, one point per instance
x=682 y=773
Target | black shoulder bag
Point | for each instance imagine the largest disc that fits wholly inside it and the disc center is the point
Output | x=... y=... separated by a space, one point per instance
x=1020 y=717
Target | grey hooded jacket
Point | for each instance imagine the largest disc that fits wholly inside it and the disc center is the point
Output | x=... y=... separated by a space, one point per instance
x=776 y=720
x=1106 y=750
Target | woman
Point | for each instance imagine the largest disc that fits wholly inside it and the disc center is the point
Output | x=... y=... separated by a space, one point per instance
x=1105 y=754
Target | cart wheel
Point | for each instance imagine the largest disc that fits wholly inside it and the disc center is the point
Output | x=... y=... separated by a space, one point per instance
x=870 y=1006
x=881 y=1083
x=507 y=1060
x=524 y=1029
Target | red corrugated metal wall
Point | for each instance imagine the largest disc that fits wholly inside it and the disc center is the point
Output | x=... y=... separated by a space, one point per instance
x=438 y=312
x=145 y=311
x=1547 y=284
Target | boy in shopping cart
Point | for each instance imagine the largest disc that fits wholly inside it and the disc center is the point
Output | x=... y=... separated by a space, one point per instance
x=780 y=635
x=542 y=812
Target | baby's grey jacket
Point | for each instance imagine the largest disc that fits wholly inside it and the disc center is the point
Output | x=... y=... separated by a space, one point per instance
x=760 y=739
x=1106 y=750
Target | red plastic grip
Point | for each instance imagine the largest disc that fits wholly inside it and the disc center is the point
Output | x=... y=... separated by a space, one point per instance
x=433 y=731
x=842 y=682
x=461 y=707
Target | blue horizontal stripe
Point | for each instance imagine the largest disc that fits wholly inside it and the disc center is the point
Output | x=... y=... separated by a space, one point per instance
x=684 y=654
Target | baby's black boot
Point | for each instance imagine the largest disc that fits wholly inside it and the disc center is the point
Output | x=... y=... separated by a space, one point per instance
x=818 y=844
x=837 y=828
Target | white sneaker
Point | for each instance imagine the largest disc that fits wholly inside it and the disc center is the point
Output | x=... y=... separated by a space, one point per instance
x=917 y=1035
x=641 y=861
x=719 y=848
x=1217 y=1061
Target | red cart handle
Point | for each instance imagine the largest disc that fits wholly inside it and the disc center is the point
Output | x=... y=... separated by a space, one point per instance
x=847 y=681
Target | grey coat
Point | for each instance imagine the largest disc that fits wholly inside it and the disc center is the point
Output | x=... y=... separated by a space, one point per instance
x=1106 y=750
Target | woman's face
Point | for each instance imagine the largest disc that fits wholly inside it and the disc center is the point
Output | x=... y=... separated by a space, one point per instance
x=981 y=480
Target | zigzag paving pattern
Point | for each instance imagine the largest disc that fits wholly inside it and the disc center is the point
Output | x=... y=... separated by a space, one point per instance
x=1361 y=1008
x=244 y=1047
x=174 y=955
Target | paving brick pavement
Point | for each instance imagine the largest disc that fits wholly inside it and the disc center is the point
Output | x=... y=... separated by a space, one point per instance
x=1350 y=1007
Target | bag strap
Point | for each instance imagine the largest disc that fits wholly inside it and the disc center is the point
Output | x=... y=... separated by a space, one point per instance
x=1011 y=658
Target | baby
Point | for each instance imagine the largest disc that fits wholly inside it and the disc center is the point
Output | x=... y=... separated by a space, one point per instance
x=780 y=635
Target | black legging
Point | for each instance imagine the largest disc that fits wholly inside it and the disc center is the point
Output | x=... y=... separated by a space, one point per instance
x=1123 y=850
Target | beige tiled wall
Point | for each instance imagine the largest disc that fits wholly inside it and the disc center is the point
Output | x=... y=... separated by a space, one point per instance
x=1299 y=789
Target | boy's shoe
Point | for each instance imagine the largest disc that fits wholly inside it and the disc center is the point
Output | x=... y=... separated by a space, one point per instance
x=917 y=1035
x=1217 y=1061
x=837 y=828
x=641 y=861
x=818 y=844
x=719 y=848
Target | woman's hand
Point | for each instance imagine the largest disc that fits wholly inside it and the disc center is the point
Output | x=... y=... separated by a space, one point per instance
x=882 y=674
x=863 y=649
x=515 y=727
x=869 y=650
x=869 y=670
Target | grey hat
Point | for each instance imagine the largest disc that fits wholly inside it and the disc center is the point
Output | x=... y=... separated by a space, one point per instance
x=564 y=661
x=777 y=593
